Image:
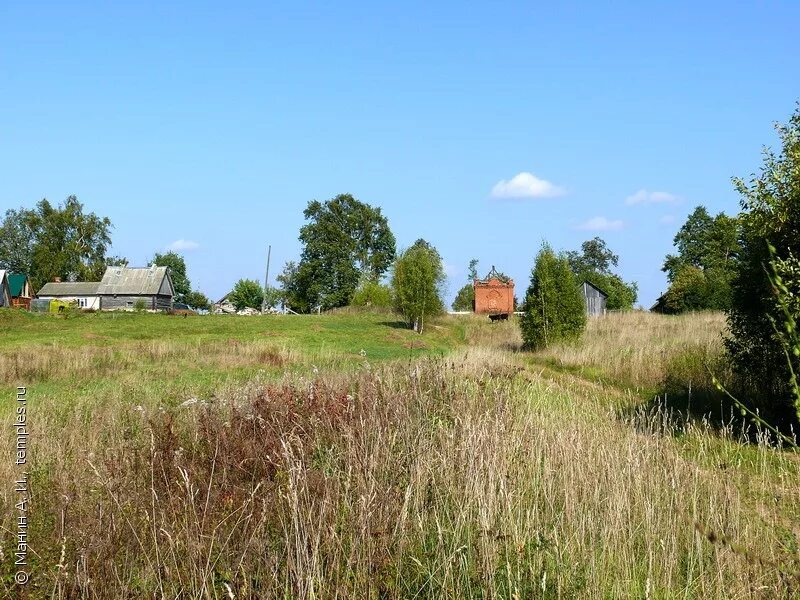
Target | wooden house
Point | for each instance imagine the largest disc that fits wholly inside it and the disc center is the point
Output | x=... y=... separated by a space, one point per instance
x=127 y=288
x=5 y=293
x=82 y=293
x=595 y=299
x=494 y=294
x=122 y=288
x=21 y=291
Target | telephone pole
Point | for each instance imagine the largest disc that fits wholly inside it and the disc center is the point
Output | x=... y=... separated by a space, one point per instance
x=266 y=281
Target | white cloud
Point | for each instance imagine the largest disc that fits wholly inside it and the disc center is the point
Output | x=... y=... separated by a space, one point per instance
x=645 y=197
x=183 y=245
x=667 y=220
x=526 y=185
x=600 y=224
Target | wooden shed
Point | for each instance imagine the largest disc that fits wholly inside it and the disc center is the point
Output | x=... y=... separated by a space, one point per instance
x=494 y=294
x=21 y=291
x=595 y=299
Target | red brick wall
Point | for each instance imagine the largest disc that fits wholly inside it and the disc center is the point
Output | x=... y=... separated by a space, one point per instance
x=494 y=296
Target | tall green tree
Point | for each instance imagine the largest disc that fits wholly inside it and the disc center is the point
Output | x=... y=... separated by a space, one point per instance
x=343 y=241
x=417 y=281
x=177 y=269
x=593 y=264
x=770 y=204
x=55 y=241
x=465 y=298
x=17 y=239
x=705 y=265
x=554 y=306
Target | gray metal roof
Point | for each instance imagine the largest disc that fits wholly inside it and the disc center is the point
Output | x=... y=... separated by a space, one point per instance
x=133 y=281
x=69 y=288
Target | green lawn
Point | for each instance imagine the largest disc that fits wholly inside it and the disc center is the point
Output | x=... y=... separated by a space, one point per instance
x=155 y=358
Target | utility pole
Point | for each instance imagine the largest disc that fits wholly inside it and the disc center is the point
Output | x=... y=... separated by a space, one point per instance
x=266 y=281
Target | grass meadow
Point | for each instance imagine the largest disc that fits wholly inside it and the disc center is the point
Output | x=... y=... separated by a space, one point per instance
x=342 y=456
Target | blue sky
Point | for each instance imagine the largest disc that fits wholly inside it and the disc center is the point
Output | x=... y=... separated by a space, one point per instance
x=213 y=125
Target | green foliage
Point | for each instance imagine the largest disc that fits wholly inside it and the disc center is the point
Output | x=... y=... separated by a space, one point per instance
x=554 y=306
x=17 y=239
x=417 y=281
x=770 y=217
x=700 y=274
x=197 y=301
x=593 y=264
x=177 y=270
x=140 y=305
x=371 y=293
x=343 y=241
x=272 y=297
x=54 y=241
x=247 y=293
x=465 y=298
x=290 y=293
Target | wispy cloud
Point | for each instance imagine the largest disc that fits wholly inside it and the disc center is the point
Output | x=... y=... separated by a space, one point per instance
x=600 y=224
x=526 y=185
x=183 y=245
x=667 y=220
x=646 y=197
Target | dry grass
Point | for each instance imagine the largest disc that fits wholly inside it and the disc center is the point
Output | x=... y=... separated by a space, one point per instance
x=460 y=477
x=467 y=476
x=642 y=349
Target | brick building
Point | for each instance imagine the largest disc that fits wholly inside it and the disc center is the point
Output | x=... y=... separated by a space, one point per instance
x=494 y=294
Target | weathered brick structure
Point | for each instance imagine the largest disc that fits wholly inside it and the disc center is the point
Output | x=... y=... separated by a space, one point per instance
x=494 y=294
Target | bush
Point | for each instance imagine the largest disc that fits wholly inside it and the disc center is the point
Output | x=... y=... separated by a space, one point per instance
x=140 y=305
x=760 y=311
x=247 y=293
x=371 y=293
x=554 y=307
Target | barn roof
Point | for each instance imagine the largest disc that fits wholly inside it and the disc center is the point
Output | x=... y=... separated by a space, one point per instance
x=69 y=288
x=589 y=283
x=144 y=281
x=16 y=281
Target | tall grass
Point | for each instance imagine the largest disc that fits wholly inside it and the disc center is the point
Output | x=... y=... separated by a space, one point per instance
x=468 y=476
x=642 y=349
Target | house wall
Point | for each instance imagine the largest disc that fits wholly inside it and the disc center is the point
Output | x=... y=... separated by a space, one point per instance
x=123 y=302
x=494 y=297
x=5 y=297
x=84 y=302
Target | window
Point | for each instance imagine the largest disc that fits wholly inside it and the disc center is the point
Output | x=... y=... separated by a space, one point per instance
x=82 y=302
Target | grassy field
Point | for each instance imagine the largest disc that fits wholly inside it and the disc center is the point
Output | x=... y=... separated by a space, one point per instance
x=341 y=456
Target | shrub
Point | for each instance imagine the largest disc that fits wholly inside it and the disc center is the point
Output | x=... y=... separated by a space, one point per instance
x=371 y=293
x=758 y=317
x=554 y=307
x=247 y=293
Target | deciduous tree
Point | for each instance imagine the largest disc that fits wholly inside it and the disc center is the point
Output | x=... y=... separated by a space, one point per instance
x=417 y=280
x=343 y=241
